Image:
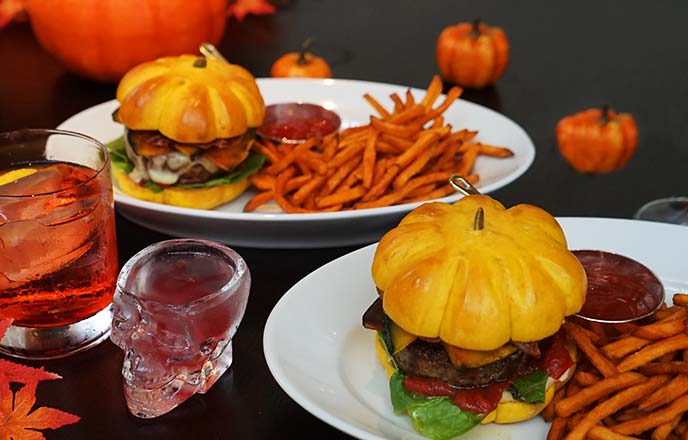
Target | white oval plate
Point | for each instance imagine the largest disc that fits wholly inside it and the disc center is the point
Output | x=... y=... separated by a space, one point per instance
x=230 y=225
x=325 y=360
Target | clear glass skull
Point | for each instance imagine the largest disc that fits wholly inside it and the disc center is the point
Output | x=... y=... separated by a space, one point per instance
x=177 y=306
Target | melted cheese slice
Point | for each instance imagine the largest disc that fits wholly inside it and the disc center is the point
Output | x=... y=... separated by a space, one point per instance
x=474 y=358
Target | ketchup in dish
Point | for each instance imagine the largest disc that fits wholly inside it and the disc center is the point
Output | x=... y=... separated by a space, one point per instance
x=296 y=122
x=619 y=288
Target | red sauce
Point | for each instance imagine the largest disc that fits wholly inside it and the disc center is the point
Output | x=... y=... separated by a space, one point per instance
x=294 y=121
x=619 y=288
x=428 y=387
x=480 y=400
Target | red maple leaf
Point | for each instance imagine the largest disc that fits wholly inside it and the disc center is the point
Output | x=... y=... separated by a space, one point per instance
x=240 y=8
x=23 y=374
x=18 y=422
x=4 y=325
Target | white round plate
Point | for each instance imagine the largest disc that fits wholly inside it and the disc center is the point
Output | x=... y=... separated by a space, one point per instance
x=325 y=360
x=230 y=225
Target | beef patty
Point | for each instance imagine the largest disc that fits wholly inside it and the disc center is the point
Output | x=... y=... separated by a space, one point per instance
x=430 y=360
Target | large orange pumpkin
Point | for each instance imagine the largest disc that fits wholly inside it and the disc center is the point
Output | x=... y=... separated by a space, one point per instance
x=103 y=39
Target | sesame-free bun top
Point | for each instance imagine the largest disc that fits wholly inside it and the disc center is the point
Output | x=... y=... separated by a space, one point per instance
x=190 y=99
x=444 y=277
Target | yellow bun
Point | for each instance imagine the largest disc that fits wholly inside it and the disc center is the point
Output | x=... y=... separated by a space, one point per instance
x=190 y=99
x=506 y=412
x=443 y=278
x=201 y=198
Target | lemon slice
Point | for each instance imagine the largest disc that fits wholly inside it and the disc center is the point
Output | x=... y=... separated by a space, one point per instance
x=13 y=175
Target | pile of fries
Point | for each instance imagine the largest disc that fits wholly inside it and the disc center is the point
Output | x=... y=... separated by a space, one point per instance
x=403 y=155
x=631 y=380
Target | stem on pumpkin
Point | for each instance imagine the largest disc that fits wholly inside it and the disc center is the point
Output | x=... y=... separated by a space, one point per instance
x=200 y=62
x=475 y=31
x=606 y=114
x=479 y=221
x=304 y=49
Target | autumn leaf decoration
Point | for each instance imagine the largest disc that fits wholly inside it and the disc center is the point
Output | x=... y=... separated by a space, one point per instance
x=241 y=8
x=17 y=420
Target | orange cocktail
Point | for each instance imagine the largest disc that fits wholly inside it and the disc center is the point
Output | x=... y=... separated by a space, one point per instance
x=58 y=264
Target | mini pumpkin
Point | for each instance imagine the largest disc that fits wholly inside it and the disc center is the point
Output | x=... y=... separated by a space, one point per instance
x=301 y=64
x=165 y=94
x=447 y=273
x=472 y=55
x=597 y=141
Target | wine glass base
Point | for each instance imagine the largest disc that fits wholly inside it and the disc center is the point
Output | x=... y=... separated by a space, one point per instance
x=667 y=210
x=41 y=343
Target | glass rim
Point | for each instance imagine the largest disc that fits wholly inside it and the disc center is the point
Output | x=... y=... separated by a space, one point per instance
x=240 y=271
x=7 y=135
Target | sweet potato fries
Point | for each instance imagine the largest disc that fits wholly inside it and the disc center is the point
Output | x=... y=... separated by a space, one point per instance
x=405 y=154
x=631 y=380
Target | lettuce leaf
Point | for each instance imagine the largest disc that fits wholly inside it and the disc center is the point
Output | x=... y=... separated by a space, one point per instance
x=118 y=155
x=434 y=417
x=254 y=161
x=531 y=388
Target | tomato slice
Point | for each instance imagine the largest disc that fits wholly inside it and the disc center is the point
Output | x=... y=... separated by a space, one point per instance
x=557 y=359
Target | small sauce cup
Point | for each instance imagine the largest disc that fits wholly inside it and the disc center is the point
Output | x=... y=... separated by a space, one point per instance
x=294 y=123
x=620 y=289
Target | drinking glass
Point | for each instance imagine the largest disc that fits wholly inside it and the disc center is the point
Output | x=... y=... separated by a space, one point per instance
x=177 y=307
x=58 y=263
x=667 y=210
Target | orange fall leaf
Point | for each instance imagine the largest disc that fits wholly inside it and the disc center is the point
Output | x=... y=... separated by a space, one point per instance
x=240 y=8
x=18 y=422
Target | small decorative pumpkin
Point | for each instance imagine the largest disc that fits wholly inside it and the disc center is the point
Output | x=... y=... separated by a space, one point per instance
x=103 y=39
x=301 y=64
x=472 y=55
x=450 y=272
x=597 y=141
x=173 y=89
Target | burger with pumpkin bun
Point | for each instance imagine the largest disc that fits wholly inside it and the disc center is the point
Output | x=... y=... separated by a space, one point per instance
x=189 y=125
x=472 y=297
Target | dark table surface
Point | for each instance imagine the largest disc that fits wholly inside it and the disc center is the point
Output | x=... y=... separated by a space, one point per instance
x=565 y=57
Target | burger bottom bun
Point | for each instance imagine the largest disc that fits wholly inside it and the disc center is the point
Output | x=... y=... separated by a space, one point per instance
x=200 y=198
x=506 y=412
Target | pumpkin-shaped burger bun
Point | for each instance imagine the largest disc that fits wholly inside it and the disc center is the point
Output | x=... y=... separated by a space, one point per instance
x=190 y=122
x=473 y=297
x=512 y=280
x=190 y=99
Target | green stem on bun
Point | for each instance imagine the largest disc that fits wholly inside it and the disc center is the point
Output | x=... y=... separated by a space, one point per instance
x=479 y=222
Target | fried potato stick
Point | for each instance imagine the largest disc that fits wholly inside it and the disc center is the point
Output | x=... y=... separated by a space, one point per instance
x=601 y=433
x=662 y=431
x=654 y=419
x=653 y=351
x=568 y=406
x=585 y=344
x=558 y=429
x=384 y=114
x=673 y=389
x=624 y=346
x=661 y=329
x=613 y=404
